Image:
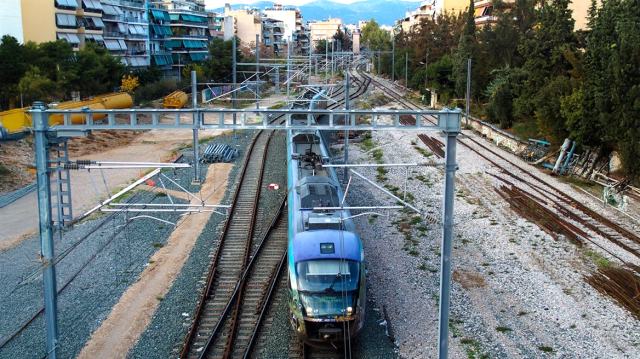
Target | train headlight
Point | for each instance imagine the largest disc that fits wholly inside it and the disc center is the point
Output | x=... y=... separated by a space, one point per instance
x=309 y=311
x=349 y=310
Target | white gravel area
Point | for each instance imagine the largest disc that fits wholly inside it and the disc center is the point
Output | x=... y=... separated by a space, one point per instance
x=517 y=293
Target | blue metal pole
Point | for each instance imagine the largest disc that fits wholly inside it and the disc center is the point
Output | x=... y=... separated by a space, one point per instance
x=196 y=122
x=447 y=236
x=566 y=162
x=41 y=125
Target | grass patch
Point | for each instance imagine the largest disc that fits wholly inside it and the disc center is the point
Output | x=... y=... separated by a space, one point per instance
x=157 y=245
x=504 y=329
x=4 y=170
x=423 y=152
x=415 y=220
x=485 y=264
x=373 y=218
x=545 y=348
x=160 y=298
x=599 y=260
x=377 y=155
x=423 y=266
x=522 y=312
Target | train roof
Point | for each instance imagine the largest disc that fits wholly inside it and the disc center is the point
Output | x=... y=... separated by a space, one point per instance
x=311 y=245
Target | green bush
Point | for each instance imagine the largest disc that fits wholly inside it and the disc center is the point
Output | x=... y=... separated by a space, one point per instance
x=154 y=91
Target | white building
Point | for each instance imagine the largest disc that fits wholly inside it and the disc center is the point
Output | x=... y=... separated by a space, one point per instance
x=11 y=19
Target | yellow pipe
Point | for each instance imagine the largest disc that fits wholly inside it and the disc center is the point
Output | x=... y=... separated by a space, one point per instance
x=14 y=121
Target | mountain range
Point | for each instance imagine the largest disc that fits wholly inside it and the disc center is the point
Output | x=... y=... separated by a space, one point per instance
x=385 y=12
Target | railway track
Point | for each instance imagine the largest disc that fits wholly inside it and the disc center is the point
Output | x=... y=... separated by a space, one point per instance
x=232 y=254
x=240 y=286
x=565 y=204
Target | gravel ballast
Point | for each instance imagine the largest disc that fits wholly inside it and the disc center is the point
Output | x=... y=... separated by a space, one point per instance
x=516 y=291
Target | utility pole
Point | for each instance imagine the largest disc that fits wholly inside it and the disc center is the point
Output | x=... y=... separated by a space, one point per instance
x=393 y=60
x=378 y=72
x=347 y=117
x=468 y=91
x=309 y=83
x=258 y=71
x=406 y=70
x=235 y=84
x=426 y=68
x=288 y=74
x=41 y=125
x=326 y=61
x=196 y=124
x=447 y=235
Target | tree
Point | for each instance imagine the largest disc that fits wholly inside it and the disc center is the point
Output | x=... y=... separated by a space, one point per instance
x=35 y=87
x=219 y=64
x=610 y=92
x=320 y=47
x=544 y=54
x=96 y=72
x=467 y=49
x=11 y=70
x=342 y=39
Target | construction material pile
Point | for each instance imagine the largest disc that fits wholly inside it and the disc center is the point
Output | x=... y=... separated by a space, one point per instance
x=218 y=152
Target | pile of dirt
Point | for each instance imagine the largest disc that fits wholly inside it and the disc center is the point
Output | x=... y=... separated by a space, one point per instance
x=17 y=157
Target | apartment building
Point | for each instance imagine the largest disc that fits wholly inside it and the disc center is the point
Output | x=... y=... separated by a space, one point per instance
x=324 y=30
x=483 y=12
x=246 y=24
x=126 y=31
x=216 y=25
x=426 y=10
x=75 y=21
x=273 y=35
x=288 y=16
x=159 y=36
x=452 y=7
x=188 y=41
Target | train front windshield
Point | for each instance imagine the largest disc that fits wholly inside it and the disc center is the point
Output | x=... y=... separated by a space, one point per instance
x=327 y=275
x=328 y=287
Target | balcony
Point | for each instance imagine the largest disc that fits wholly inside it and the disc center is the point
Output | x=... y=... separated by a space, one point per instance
x=138 y=20
x=136 y=37
x=114 y=18
x=136 y=53
x=113 y=34
x=160 y=52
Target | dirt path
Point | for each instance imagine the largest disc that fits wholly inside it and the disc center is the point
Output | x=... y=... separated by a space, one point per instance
x=133 y=313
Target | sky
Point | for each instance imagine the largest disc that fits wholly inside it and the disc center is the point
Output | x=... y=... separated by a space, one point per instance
x=214 y=4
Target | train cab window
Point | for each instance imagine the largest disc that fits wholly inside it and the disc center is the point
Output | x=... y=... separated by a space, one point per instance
x=327 y=275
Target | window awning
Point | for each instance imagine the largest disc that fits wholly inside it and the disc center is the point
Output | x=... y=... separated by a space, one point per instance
x=124 y=61
x=477 y=12
x=109 y=10
x=65 y=20
x=98 y=38
x=173 y=44
x=88 y=37
x=174 y=17
x=92 y=4
x=70 y=3
x=167 y=30
x=169 y=59
x=122 y=28
x=112 y=45
x=123 y=46
x=141 y=30
x=96 y=21
x=70 y=38
x=157 y=14
x=160 y=60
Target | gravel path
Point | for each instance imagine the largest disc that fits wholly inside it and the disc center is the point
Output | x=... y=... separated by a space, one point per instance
x=516 y=293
